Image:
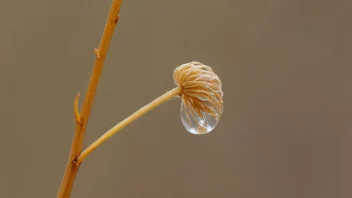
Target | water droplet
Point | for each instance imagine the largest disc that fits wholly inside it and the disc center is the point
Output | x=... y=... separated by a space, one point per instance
x=198 y=124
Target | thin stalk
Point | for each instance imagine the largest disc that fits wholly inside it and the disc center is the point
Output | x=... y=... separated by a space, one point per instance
x=158 y=101
x=82 y=118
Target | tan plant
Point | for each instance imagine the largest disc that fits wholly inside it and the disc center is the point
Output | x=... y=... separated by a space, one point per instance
x=197 y=85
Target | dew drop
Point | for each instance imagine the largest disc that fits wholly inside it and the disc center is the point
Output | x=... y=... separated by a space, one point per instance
x=196 y=124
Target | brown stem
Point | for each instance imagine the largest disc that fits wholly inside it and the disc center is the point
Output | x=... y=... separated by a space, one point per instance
x=82 y=119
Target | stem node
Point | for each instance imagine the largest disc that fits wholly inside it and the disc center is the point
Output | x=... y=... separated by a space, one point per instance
x=97 y=53
x=117 y=19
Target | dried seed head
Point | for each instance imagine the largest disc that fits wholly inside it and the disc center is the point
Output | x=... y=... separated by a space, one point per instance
x=201 y=95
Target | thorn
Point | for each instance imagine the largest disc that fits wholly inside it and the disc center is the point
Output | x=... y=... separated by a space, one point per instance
x=97 y=53
x=75 y=108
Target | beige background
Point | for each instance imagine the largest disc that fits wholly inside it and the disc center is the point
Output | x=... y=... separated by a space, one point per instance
x=286 y=131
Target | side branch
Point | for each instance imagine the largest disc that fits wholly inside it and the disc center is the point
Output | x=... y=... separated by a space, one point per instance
x=158 y=101
x=76 y=111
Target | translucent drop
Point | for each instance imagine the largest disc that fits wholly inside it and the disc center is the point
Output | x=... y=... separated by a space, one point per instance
x=198 y=124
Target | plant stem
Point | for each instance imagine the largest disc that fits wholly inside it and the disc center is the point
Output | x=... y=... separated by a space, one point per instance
x=158 y=101
x=82 y=119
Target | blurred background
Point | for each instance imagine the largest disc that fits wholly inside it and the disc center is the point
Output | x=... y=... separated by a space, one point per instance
x=286 y=130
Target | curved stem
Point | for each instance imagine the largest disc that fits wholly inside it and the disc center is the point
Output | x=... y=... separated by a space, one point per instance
x=158 y=101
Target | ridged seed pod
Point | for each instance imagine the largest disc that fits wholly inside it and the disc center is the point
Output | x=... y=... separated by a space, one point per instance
x=202 y=103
